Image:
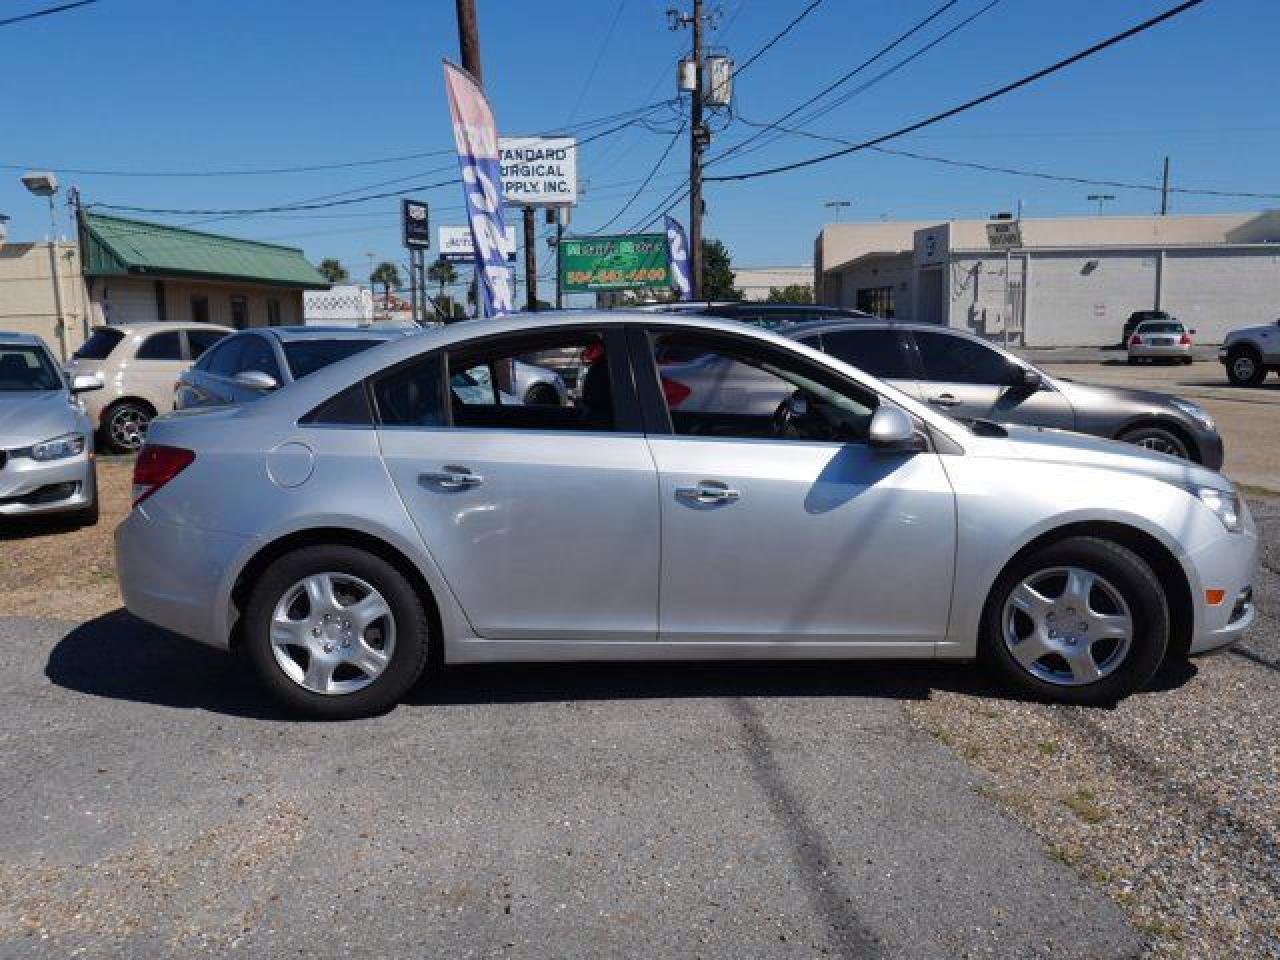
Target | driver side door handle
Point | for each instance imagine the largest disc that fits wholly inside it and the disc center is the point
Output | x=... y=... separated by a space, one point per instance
x=452 y=478
x=709 y=492
x=944 y=400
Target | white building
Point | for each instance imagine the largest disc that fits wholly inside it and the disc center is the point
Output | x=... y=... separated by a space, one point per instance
x=756 y=282
x=1067 y=282
x=344 y=304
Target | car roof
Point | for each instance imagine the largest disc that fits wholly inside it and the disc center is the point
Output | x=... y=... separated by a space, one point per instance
x=14 y=338
x=146 y=326
x=303 y=334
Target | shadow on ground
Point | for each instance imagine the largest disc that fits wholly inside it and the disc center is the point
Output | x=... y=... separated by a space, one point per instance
x=120 y=657
x=23 y=528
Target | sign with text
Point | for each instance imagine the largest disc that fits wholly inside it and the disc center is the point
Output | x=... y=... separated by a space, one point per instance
x=456 y=245
x=1004 y=234
x=539 y=171
x=416 y=224
x=628 y=262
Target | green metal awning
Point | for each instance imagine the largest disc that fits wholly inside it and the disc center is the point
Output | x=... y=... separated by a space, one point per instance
x=116 y=247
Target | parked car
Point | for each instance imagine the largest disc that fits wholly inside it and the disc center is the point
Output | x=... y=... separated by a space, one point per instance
x=1250 y=352
x=138 y=363
x=46 y=440
x=367 y=522
x=1141 y=316
x=1160 y=340
x=968 y=378
x=253 y=362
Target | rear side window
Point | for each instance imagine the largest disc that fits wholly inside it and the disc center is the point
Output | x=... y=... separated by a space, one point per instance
x=411 y=395
x=881 y=353
x=951 y=359
x=202 y=340
x=100 y=344
x=162 y=346
x=305 y=357
x=350 y=408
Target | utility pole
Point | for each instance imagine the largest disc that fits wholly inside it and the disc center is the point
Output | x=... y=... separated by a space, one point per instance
x=530 y=261
x=1164 y=190
x=699 y=137
x=469 y=40
x=561 y=214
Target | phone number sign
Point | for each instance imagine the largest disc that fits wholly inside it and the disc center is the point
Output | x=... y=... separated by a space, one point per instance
x=627 y=262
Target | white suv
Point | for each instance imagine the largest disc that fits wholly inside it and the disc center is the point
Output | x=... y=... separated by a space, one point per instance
x=138 y=364
x=1248 y=353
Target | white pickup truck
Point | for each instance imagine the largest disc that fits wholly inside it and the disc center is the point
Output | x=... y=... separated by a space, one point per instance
x=1248 y=353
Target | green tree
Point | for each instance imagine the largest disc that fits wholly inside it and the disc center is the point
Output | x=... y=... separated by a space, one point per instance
x=717 y=272
x=442 y=273
x=791 y=293
x=387 y=274
x=334 y=271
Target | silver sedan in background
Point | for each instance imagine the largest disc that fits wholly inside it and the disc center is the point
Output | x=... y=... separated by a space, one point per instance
x=371 y=521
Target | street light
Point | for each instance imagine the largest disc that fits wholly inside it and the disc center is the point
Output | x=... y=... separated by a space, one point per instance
x=837 y=205
x=1101 y=198
x=43 y=183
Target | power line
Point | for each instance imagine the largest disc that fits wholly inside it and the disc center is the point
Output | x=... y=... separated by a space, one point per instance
x=644 y=183
x=813 y=5
x=591 y=74
x=46 y=12
x=969 y=104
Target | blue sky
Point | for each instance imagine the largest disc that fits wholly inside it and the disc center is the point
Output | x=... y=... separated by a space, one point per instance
x=153 y=85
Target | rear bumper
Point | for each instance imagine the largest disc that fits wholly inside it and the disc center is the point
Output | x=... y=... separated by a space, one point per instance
x=176 y=576
x=33 y=488
x=1154 y=353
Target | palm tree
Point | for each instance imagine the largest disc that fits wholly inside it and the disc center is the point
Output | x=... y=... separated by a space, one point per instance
x=334 y=271
x=387 y=274
x=442 y=274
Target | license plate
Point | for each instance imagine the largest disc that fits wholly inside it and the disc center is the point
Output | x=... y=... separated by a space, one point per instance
x=1163 y=342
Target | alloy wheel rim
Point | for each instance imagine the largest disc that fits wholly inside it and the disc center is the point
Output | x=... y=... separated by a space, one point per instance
x=1067 y=626
x=332 y=633
x=129 y=428
x=1243 y=367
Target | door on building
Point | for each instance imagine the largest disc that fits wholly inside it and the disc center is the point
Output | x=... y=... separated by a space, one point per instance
x=239 y=312
x=929 y=298
x=966 y=378
x=877 y=301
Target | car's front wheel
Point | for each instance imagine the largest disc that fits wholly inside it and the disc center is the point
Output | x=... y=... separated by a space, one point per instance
x=1158 y=439
x=124 y=426
x=1082 y=621
x=1244 y=367
x=336 y=632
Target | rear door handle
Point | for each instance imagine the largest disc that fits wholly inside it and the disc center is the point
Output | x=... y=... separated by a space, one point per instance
x=944 y=400
x=708 y=491
x=452 y=478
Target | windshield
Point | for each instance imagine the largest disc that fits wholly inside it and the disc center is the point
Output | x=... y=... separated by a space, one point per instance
x=99 y=345
x=27 y=368
x=1168 y=327
x=307 y=356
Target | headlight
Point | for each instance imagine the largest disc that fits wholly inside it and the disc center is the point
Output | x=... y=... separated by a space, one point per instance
x=1224 y=503
x=1196 y=412
x=67 y=445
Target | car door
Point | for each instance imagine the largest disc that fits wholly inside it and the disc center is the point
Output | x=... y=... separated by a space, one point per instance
x=543 y=519
x=156 y=364
x=790 y=529
x=883 y=352
x=969 y=379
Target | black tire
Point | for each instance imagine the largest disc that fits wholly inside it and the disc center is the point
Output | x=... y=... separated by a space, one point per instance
x=1186 y=361
x=542 y=395
x=1244 y=367
x=1141 y=591
x=412 y=631
x=123 y=420
x=1160 y=440
x=1133 y=361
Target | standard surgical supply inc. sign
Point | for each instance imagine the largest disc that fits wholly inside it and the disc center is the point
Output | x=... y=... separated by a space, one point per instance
x=539 y=171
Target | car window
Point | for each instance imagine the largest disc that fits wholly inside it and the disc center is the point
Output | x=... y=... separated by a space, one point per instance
x=350 y=408
x=305 y=357
x=224 y=359
x=881 y=353
x=162 y=346
x=27 y=367
x=100 y=344
x=202 y=340
x=749 y=391
x=259 y=356
x=1157 y=326
x=500 y=385
x=950 y=359
x=411 y=395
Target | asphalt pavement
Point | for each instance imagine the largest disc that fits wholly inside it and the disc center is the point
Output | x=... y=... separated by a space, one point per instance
x=156 y=804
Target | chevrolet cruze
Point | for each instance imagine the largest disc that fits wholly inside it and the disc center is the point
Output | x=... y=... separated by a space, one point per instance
x=374 y=519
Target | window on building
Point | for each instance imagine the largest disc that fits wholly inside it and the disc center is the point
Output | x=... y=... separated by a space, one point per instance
x=162 y=346
x=200 y=309
x=273 y=313
x=239 y=312
x=877 y=301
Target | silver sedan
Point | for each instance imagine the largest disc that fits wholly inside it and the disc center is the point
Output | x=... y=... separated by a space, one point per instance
x=371 y=522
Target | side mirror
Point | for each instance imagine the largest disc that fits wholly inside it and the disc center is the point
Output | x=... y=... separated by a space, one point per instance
x=84 y=382
x=255 y=380
x=1032 y=379
x=893 y=430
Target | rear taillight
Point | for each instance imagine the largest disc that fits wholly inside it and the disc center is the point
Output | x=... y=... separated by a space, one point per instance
x=1185 y=340
x=1135 y=341
x=157 y=465
x=675 y=392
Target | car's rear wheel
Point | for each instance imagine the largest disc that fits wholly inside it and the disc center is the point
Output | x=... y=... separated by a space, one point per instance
x=1083 y=621
x=1244 y=367
x=1158 y=439
x=124 y=425
x=336 y=632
